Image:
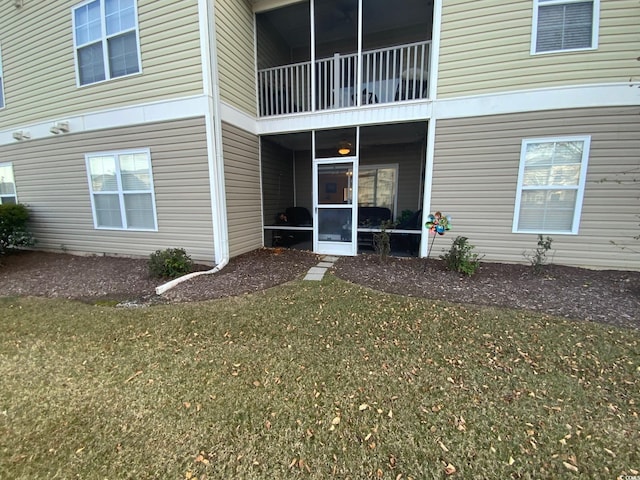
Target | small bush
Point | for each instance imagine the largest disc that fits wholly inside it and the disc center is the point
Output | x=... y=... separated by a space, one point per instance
x=382 y=240
x=170 y=263
x=13 y=227
x=460 y=257
x=538 y=258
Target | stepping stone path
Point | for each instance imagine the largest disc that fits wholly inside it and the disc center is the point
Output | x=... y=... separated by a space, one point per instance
x=317 y=273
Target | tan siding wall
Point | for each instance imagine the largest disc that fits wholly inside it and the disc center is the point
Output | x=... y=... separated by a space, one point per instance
x=476 y=171
x=38 y=59
x=236 y=64
x=51 y=179
x=485 y=47
x=242 y=180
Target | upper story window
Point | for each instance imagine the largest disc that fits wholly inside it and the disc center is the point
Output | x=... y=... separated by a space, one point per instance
x=551 y=184
x=121 y=186
x=564 y=25
x=105 y=35
x=1 y=81
x=7 y=184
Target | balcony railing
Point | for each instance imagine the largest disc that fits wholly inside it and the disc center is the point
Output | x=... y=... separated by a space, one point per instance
x=393 y=74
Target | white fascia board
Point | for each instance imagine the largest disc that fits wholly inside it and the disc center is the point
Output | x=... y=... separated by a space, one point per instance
x=238 y=118
x=187 y=107
x=556 y=98
x=391 y=113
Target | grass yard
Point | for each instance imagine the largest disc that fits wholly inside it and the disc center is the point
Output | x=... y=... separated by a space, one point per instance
x=311 y=380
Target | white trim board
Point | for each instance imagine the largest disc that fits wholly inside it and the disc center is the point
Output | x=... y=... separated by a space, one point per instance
x=522 y=101
x=187 y=107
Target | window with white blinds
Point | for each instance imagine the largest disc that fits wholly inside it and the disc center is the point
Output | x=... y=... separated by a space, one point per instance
x=551 y=185
x=561 y=25
x=121 y=186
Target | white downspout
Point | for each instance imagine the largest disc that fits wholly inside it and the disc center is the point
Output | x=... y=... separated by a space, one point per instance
x=208 y=55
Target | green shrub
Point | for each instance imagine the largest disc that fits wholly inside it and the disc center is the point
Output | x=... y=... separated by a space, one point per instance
x=460 y=257
x=170 y=263
x=382 y=240
x=13 y=227
x=538 y=258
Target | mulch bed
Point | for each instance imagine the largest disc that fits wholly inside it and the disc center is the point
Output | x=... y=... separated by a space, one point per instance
x=607 y=296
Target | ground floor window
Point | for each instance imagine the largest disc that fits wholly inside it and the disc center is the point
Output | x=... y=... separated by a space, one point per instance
x=377 y=185
x=551 y=184
x=7 y=184
x=121 y=186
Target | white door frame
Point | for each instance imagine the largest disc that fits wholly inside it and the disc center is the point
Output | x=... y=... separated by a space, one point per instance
x=336 y=247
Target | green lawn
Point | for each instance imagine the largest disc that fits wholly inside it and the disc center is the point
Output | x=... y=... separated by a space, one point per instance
x=313 y=380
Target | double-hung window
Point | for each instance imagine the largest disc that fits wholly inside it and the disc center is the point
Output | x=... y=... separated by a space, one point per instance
x=1 y=81
x=564 y=25
x=551 y=185
x=7 y=184
x=105 y=35
x=121 y=186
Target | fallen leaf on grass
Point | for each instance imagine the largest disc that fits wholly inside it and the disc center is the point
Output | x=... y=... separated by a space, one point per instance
x=449 y=469
x=571 y=467
x=139 y=372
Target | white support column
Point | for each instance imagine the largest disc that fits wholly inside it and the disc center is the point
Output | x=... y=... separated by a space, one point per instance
x=428 y=182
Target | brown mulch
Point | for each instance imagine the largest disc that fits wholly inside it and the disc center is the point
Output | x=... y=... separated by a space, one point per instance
x=606 y=296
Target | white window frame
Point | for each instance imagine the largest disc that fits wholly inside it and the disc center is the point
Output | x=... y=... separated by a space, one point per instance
x=13 y=178
x=575 y=224
x=595 y=25
x=104 y=40
x=2 y=98
x=121 y=192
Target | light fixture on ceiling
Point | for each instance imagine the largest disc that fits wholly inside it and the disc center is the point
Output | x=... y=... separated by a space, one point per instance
x=344 y=148
x=21 y=135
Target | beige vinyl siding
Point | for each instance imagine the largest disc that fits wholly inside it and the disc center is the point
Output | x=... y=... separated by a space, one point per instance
x=476 y=171
x=485 y=47
x=277 y=179
x=242 y=182
x=51 y=178
x=38 y=58
x=236 y=59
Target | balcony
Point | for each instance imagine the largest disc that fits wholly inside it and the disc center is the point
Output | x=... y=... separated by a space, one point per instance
x=391 y=74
